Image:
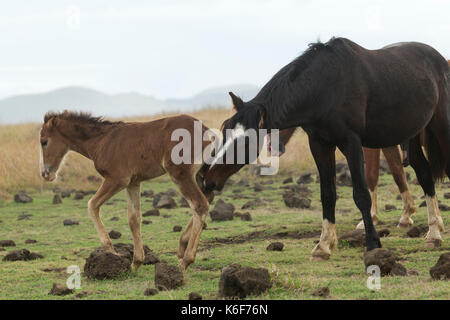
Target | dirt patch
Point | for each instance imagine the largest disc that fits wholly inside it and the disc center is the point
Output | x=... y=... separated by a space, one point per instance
x=22 y=197
x=150 y=213
x=57 y=199
x=195 y=296
x=102 y=264
x=237 y=281
x=291 y=200
x=167 y=277
x=69 y=222
x=24 y=217
x=246 y=216
x=30 y=241
x=222 y=211
x=321 y=292
x=164 y=202
x=253 y=203
x=305 y=178
x=417 y=231
x=441 y=270
x=60 y=290
x=7 y=243
x=150 y=292
x=177 y=228
x=113 y=234
x=382 y=258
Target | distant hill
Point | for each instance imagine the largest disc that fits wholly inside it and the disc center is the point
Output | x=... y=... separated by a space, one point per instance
x=32 y=107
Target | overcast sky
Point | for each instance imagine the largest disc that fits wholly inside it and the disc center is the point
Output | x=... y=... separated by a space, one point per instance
x=172 y=48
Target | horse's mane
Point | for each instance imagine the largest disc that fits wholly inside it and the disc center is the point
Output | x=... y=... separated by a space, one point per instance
x=79 y=116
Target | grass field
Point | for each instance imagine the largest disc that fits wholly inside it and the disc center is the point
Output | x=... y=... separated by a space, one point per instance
x=244 y=242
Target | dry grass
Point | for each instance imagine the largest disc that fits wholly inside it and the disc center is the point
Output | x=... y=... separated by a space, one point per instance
x=20 y=151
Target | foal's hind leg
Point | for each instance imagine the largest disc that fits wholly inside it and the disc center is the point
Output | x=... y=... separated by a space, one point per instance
x=394 y=160
x=326 y=164
x=426 y=181
x=106 y=191
x=372 y=165
x=134 y=221
x=183 y=177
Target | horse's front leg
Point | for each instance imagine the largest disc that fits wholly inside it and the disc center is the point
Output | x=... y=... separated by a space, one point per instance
x=323 y=154
x=134 y=221
x=352 y=149
x=106 y=191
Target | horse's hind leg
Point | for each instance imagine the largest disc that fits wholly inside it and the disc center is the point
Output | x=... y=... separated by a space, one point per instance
x=326 y=164
x=372 y=165
x=394 y=160
x=134 y=221
x=426 y=181
x=106 y=191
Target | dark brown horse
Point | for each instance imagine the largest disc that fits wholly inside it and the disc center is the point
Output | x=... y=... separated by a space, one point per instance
x=126 y=154
x=346 y=96
x=372 y=166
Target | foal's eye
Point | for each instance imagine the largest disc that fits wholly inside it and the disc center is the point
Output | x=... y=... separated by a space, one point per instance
x=44 y=143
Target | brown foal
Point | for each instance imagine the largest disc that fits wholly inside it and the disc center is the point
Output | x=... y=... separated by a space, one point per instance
x=126 y=154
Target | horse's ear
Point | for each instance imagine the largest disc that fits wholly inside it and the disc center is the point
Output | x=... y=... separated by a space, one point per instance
x=237 y=102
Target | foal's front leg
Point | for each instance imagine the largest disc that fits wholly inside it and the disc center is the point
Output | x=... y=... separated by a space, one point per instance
x=106 y=191
x=134 y=221
x=326 y=164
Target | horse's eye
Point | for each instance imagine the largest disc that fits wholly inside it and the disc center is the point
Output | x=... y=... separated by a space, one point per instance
x=44 y=143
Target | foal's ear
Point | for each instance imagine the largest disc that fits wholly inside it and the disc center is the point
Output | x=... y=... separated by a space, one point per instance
x=237 y=102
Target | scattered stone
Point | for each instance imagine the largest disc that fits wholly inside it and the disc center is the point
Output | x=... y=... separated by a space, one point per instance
x=389 y=207
x=243 y=183
x=127 y=250
x=423 y=204
x=222 y=211
x=103 y=264
x=244 y=216
x=252 y=203
x=184 y=203
x=441 y=270
x=444 y=207
x=114 y=219
x=447 y=195
x=177 y=228
x=153 y=212
x=412 y=272
x=24 y=217
x=21 y=255
x=288 y=180
x=258 y=187
x=167 y=277
x=30 y=241
x=7 y=243
x=355 y=238
x=293 y=201
x=237 y=281
x=417 y=231
x=22 y=197
x=165 y=202
x=82 y=294
x=275 y=246
x=305 y=178
x=60 y=290
x=150 y=292
x=79 y=195
x=344 y=178
x=69 y=222
x=382 y=258
x=399 y=270
x=113 y=234
x=147 y=194
x=66 y=194
x=94 y=179
x=195 y=296
x=384 y=233
x=146 y=221
x=321 y=292
x=56 y=199
x=299 y=189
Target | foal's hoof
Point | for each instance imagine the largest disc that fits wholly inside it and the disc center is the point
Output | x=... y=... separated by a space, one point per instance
x=405 y=222
x=433 y=243
x=319 y=257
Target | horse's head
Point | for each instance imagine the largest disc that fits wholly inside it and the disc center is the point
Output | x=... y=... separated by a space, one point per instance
x=241 y=143
x=53 y=147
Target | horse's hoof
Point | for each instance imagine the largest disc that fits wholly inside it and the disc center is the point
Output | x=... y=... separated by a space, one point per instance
x=405 y=222
x=320 y=257
x=433 y=243
x=360 y=225
x=135 y=266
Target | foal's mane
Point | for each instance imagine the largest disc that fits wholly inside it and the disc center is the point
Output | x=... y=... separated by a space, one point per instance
x=80 y=117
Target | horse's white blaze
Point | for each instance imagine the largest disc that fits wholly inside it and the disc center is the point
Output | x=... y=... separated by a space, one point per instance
x=238 y=131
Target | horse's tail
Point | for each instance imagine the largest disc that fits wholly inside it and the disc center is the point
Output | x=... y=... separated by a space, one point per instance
x=438 y=160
